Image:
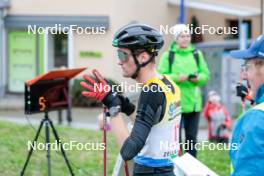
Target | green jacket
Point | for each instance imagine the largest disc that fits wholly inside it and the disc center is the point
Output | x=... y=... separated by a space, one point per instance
x=184 y=63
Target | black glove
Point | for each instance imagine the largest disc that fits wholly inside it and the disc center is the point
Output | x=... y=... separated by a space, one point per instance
x=111 y=100
x=127 y=107
x=114 y=100
x=241 y=90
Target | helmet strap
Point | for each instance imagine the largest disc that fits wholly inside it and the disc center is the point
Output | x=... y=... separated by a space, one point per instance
x=135 y=74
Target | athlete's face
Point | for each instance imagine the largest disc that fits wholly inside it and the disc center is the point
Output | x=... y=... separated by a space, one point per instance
x=126 y=62
x=183 y=40
x=254 y=75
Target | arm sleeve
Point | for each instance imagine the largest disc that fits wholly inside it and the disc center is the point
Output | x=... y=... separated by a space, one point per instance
x=148 y=114
x=164 y=66
x=203 y=75
x=249 y=159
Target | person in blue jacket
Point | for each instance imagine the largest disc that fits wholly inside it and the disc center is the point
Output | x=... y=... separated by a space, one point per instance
x=247 y=144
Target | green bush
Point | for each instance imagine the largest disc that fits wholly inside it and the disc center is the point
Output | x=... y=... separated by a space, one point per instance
x=80 y=101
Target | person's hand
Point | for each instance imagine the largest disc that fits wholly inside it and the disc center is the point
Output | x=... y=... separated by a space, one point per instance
x=193 y=78
x=241 y=90
x=101 y=91
x=182 y=78
x=97 y=89
x=100 y=119
x=244 y=93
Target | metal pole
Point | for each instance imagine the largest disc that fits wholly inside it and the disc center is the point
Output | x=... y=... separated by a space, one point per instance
x=105 y=140
x=61 y=147
x=47 y=135
x=126 y=169
x=182 y=13
x=1 y=53
x=4 y=4
x=69 y=109
x=32 y=148
x=262 y=17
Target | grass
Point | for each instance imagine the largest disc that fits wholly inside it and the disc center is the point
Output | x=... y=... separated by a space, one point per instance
x=14 y=142
x=216 y=160
x=13 y=151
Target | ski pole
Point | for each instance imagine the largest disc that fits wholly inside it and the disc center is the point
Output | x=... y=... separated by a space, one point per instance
x=104 y=137
x=126 y=169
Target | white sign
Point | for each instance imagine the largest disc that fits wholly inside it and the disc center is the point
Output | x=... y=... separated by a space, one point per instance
x=187 y=165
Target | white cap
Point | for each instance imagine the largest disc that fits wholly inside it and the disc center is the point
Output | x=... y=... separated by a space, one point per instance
x=214 y=97
x=211 y=93
x=177 y=29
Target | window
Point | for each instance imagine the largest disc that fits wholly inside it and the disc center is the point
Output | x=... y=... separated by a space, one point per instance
x=60 y=50
x=235 y=23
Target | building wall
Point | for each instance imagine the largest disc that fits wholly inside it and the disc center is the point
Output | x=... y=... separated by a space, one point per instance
x=246 y=3
x=220 y=20
x=121 y=12
x=60 y=7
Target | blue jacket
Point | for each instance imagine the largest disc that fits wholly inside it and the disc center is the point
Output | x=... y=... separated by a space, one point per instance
x=247 y=144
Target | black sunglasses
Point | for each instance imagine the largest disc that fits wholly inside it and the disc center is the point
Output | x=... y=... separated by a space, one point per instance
x=123 y=56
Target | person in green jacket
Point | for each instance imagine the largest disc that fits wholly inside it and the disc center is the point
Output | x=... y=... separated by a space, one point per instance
x=187 y=68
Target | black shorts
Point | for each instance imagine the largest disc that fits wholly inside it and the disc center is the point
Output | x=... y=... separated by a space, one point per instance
x=140 y=170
